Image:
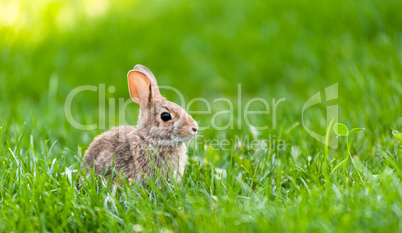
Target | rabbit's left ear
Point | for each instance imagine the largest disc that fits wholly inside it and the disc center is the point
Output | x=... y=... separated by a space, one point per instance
x=142 y=85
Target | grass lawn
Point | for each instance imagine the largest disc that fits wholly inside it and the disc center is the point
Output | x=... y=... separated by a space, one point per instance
x=227 y=52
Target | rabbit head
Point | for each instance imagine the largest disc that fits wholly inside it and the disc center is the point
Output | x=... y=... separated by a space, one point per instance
x=164 y=121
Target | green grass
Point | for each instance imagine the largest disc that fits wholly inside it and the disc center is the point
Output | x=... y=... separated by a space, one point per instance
x=278 y=49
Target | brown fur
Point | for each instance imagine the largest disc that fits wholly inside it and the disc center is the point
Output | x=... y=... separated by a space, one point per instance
x=133 y=150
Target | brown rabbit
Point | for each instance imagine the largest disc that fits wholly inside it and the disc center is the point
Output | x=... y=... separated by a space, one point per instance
x=159 y=139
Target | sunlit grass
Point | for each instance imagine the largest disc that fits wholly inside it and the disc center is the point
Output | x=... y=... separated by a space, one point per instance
x=274 y=49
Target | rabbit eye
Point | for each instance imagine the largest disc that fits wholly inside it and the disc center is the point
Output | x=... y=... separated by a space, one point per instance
x=166 y=116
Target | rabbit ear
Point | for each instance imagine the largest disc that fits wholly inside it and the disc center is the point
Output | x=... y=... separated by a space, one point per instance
x=142 y=85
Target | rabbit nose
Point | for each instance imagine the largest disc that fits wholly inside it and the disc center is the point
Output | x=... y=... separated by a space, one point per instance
x=194 y=125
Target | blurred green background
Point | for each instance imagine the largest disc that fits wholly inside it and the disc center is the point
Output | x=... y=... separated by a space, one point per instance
x=274 y=49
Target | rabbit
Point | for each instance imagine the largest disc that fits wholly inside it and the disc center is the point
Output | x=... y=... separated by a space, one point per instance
x=159 y=139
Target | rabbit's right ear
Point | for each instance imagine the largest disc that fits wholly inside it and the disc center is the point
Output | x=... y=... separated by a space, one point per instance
x=142 y=85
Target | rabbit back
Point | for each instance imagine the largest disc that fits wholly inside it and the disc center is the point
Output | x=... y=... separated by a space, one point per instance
x=111 y=148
